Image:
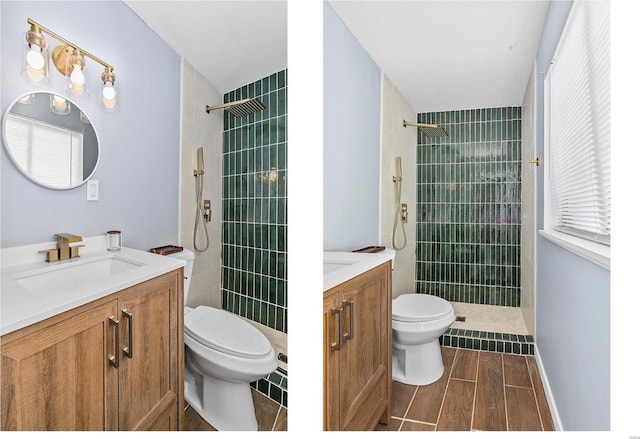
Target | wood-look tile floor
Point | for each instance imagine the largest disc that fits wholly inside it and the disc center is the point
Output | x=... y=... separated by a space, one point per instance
x=271 y=416
x=478 y=391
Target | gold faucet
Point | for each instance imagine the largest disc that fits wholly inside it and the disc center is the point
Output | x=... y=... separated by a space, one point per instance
x=64 y=250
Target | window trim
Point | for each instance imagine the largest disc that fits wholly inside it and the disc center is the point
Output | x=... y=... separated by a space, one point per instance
x=595 y=252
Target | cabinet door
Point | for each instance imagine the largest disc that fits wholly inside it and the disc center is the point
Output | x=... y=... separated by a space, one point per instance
x=332 y=362
x=151 y=343
x=59 y=377
x=364 y=365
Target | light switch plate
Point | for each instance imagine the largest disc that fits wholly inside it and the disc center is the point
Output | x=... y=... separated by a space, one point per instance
x=92 y=190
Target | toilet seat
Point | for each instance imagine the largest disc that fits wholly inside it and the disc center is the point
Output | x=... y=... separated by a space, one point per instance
x=419 y=308
x=225 y=332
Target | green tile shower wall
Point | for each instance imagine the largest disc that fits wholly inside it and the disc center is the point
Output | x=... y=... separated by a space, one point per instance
x=468 y=207
x=254 y=198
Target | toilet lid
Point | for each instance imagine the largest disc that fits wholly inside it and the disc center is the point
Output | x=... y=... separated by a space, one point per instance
x=225 y=332
x=419 y=308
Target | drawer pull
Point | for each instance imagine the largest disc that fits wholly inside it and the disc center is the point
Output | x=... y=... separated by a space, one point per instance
x=336 y=346
x=128 y=350
x=348 y=335
x=114 y=360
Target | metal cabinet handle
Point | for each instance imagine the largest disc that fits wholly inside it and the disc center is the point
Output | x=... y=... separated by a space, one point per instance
x=349 y=335
x=336 y=346
x=114 y=360
x=128 y=350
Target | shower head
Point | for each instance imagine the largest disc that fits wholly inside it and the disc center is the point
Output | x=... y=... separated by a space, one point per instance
x=435 y=131
x=429 y=130
x=240 y=108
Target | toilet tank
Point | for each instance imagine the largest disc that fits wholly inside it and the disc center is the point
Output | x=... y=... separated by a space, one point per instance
x=189 y=256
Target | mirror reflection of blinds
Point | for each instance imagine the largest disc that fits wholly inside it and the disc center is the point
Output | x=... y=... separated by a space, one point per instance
x=49 y=154
x=578 y=88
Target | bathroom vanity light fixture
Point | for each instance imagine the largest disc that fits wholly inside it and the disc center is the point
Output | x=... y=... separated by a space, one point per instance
x=69 y=59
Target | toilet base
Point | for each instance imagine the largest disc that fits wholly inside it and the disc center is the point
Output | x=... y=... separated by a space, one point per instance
x=417 y=365
x=225 y=405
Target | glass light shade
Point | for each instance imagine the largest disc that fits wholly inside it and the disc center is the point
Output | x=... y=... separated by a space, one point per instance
x=109 y=96
x=36 y=56
x=74 y=70
x=59 y=105
x=35 y=60
x=109 y=92
x=76 y=77
x=28 y=99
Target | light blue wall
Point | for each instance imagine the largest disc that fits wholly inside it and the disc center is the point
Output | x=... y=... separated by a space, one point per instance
x=139 y=164
x=351 y=139
x=573 y=296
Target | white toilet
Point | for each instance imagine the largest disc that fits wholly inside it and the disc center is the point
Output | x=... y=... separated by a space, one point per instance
x=223 y=354
x=417 y=320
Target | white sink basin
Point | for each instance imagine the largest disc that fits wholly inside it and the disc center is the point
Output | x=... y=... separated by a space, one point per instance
x=73 y=274
x=330 y=267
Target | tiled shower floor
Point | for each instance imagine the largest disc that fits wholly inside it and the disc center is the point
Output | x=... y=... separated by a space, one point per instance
x=490 y=318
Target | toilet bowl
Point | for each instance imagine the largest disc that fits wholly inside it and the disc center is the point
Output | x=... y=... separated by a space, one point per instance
x=223 y=354
x=417 y=321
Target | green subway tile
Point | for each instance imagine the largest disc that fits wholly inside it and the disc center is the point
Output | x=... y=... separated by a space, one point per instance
x=263 y=386
x=276 y=394
x=281 y=79
x=273 y=82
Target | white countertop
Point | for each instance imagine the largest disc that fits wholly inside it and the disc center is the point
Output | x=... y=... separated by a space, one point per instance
x=21 y=306
x=339 y=267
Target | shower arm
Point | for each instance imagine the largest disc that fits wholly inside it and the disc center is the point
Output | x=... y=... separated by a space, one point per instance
x=415 y=124
x=228 y=104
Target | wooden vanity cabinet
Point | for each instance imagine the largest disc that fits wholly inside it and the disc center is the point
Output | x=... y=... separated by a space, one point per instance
x=357 y=359
x=73 y=371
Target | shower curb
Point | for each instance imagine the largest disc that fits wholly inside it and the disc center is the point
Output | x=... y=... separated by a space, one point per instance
x=488 y=341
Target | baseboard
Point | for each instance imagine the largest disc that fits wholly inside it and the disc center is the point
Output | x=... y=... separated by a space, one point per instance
x=557 y=423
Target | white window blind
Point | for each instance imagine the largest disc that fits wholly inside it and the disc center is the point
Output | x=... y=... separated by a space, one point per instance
x=49 y=154
x=578 y=117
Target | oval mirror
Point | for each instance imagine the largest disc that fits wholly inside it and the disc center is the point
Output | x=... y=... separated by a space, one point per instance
x=50 y=140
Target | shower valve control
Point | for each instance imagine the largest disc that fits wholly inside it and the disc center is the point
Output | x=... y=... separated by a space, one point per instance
x=206 y=208
x=404 y=213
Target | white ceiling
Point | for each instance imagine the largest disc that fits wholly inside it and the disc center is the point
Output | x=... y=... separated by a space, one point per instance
x=232 y=43
x=450 y=55
x=442 y=55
